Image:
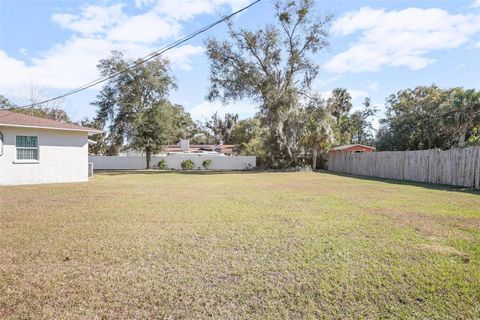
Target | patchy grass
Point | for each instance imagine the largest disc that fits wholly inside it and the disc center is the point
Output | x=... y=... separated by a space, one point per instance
x=239 y=246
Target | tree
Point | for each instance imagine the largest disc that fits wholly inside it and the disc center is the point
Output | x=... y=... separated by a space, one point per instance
x=52 y=112
x=34 y=94
x=129 y=95
x=56 y=114
x=463 y=113
x=249 y=136
x=100 y=146
x=318 y=134
x=414 y=120
x=222 y=130
x=360 y=126
x=183 y=127
x=339 y=104
x=5 y=103
x=153 y=128
x=474 y=139
x=272 y=66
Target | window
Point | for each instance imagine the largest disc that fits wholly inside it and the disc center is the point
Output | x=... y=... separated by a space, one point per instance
x=27 y=147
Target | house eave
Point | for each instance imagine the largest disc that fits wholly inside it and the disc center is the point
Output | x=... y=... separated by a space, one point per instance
x=89 y=131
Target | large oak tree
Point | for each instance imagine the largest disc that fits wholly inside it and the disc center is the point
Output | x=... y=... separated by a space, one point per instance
x=273 y=67
x=134 y=106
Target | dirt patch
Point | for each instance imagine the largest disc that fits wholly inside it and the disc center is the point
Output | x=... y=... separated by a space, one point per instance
x=464 y=223
x=430 y=225
x=441 y=249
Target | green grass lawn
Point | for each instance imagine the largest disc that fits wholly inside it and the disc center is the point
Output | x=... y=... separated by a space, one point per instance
x=239 y=246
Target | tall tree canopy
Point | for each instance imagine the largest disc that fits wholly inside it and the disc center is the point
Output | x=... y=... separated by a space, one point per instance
x=339 y=104
x=318 y=133
x=126 y=101
x=360 y=125
x=249 y=138
x=273 y=67
x=222 y=129
x=156 y=127
x=429 y=117
x=123 y=97
x=463 y=113
x=100 y=146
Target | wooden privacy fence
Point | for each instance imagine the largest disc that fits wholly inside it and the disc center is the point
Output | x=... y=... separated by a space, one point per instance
x=457 y=167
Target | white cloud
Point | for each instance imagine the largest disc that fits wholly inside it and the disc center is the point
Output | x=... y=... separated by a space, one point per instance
x=475 y=4
x=112 y=23
x=205 y=109
x=147 y=28
x=15 y=69
x=322 y=82
x=74 y=63
x=97 y=30
x=399 y=38
x=143 y=3
x=358 y=95
x=92 y=19
x=185 y=10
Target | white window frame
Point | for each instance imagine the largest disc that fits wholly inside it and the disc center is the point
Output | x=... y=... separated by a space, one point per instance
x=29 y=148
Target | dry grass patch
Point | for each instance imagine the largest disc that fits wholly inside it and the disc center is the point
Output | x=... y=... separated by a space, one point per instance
x=437 y=248
x=238 y=246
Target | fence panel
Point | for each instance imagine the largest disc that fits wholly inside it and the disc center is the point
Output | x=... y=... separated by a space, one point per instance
x=173 y=162
x=457 y=167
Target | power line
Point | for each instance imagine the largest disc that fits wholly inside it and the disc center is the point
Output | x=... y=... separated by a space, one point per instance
x=144 y=59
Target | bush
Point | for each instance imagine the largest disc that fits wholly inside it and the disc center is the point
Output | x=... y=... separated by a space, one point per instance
x=188 y=165
x=162 y=165
x=207 y=163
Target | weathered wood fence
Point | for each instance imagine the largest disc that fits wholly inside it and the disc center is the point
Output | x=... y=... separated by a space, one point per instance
x=457 y=167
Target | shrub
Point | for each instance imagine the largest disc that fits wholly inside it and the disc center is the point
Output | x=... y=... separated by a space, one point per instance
x=207 y=163
x=187 y=165
x=162 y=165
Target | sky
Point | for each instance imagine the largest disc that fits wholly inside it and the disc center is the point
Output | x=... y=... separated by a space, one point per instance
x=376 y=47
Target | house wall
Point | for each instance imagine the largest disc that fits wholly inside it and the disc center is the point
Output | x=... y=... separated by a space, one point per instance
x=63 y=157
x=352 y=150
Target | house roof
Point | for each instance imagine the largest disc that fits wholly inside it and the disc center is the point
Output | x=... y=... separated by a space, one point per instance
x=348 y=146
x=198 y=147
x=15 y=119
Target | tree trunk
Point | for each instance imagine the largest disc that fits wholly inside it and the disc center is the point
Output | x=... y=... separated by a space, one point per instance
x=314 y=158
x=148 y=156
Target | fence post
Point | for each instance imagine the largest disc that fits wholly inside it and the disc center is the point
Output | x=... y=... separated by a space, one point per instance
x=476 y=169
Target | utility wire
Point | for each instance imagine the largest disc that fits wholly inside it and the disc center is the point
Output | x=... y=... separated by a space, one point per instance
x=144 y=59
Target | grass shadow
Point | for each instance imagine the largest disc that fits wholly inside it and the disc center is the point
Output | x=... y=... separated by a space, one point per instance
x=426 y=185
x=432 y=186
x=163 y=172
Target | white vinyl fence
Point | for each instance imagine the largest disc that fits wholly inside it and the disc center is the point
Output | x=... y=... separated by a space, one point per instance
x=458 y=167
x=173 y=162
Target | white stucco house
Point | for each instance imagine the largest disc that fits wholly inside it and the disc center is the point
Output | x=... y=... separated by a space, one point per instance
x=35 y=150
